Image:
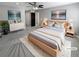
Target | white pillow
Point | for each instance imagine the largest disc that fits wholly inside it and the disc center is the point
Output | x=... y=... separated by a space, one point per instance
x=51 y=24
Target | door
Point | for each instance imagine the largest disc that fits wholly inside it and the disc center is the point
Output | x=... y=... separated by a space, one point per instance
x=32 y=19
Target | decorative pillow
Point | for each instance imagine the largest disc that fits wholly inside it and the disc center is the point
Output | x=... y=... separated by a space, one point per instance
x=50 y=24
x=60 y=27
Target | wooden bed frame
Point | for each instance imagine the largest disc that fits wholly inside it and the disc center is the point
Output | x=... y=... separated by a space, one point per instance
x=51 y=51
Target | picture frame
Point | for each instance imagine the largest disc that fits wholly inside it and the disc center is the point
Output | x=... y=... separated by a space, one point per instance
x=58 y=14
x=14 y=16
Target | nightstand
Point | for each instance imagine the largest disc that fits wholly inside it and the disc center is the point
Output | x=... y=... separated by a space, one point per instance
x=70 y=32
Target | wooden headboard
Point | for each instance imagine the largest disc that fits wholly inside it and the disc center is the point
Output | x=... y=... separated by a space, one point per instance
x=65 y=23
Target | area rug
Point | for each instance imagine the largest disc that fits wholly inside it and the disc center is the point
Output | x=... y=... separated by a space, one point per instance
x=37 y=52
x=15 y=49
x=66 y=51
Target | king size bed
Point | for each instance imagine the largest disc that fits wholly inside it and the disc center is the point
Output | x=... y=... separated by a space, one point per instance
x=51 y=40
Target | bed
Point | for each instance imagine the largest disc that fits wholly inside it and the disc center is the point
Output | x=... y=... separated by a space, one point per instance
x=49 y=39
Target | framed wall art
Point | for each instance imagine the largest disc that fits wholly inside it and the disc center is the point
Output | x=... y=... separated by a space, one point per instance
x=14 y=16
x=58 y=15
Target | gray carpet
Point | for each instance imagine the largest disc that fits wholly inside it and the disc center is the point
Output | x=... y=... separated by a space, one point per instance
x=18 y=50
x=15 y=49
x=11 y=46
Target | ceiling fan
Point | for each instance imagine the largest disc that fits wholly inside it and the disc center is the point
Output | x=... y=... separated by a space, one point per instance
x=34 y=5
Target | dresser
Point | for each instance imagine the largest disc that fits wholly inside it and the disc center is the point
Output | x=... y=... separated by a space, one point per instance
x=17 y=26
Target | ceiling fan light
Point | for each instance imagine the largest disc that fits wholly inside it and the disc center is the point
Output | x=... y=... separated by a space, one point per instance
x=35 y=8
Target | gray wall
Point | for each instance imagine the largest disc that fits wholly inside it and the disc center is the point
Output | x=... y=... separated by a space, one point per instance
x=72 y=14
x=4 y=12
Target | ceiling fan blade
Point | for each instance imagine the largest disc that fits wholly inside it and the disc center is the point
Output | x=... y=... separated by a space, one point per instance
x=40 y=6
x=31 y=4
x=34 y=3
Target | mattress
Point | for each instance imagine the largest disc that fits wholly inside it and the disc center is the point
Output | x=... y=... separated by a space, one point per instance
x=51 y=37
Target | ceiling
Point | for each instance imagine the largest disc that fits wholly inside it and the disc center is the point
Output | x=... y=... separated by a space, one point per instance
x=54 y=4
x=24 y=4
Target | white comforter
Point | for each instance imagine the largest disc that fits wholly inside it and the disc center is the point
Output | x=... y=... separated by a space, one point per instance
x=51 y=35
x=53 y=32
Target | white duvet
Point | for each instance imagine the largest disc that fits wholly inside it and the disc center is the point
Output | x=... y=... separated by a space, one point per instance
x=51 y=35
x=53 y=32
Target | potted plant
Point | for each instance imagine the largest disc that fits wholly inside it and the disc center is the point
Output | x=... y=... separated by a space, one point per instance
x=5 y=27
x=0 y=30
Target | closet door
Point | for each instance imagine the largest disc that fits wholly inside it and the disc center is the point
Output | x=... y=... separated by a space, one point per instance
x=32 y=19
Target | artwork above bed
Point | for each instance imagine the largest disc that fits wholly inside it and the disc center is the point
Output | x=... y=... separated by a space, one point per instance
x=58 y=15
